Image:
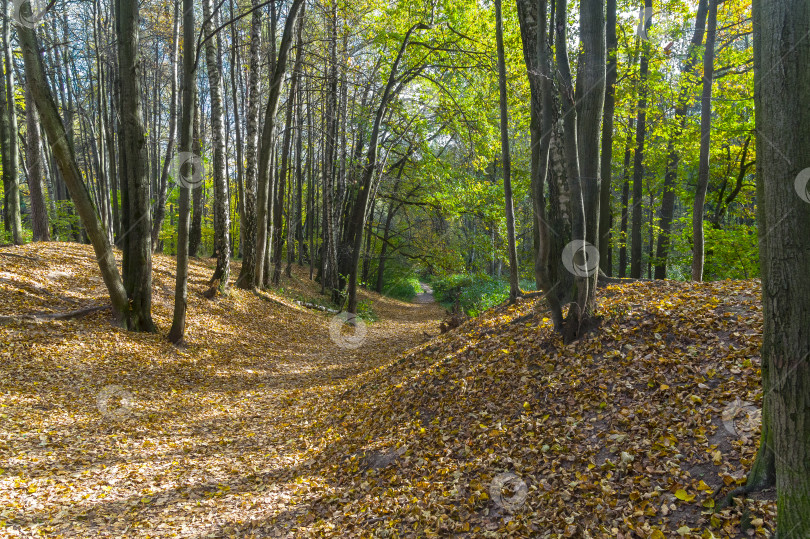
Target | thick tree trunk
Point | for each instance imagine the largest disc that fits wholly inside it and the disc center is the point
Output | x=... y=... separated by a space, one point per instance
x=705 y=146
x=137 y=248
x=222 y=218
x=591 y=77
x=36 y=173
x=188 y=91
x=63 y=154
x=514 y=285
x=782 y=104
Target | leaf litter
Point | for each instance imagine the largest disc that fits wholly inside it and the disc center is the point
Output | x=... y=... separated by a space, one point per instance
x=261 y=426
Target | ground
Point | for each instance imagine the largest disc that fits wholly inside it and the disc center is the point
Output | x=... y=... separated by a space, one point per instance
x=277 y=421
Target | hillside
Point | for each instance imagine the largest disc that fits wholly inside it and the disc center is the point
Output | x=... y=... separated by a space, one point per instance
x=263 y=427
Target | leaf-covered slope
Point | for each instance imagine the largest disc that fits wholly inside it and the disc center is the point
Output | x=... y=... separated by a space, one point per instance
x=109 y=433
x=622 y=434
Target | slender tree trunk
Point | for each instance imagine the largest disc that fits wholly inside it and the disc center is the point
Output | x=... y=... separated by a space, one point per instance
x=357 y=223
x=673 y=159
x=8 y=136
x=782 y=105
x=605 y=210
x=221 y=214
x=266 y=149
x=638 y=158
x=163 y=184
x=514 y=285
x=705 y=142
x=247 y=277
x=188 y=91
x=195 y=234
x=36 y=179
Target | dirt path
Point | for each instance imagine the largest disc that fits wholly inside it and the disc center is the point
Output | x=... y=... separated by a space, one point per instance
x=426 y=296
x=107 y=433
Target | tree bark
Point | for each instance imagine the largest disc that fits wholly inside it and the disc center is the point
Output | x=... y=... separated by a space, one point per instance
x=698 y=254
x=221 y=214
x=247 y=277
x=137 y=248
x=782 y=115
x=12 y=217
x=514 y=285
x=605 y=209
x=65 y=159
x=36 y=174
x=188 y=91
x=638 y=158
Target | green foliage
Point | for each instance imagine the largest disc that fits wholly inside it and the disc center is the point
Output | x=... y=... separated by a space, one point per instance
x=64 y=220
x=401 y=282
x=474 y=293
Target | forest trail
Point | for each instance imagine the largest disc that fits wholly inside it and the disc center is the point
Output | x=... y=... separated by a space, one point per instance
x=268 y=424
x=111 y=433
x=426 y=296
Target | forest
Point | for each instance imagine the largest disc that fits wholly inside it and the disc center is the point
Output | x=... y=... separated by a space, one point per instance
x=413 y=268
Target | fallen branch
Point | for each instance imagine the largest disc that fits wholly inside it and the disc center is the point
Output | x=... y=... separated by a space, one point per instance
x=37 y=259
x=47 y=317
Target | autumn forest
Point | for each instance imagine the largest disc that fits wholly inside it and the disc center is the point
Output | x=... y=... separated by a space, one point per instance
x=417 y=268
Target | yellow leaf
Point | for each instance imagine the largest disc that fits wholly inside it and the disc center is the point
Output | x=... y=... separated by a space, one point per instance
x=681 y=494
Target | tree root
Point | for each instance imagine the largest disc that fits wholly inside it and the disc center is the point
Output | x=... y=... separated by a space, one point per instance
x=749 y=488
x=48 y=317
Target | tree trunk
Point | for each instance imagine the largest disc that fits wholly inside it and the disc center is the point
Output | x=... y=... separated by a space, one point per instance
x=638 y=158
x=222 y=216
x=514 y=285
x=605 y=210
x=65 y=159
x=163 y=184
x=195 y=234
x=673 y=159
x=36 y=179
x=12 y=217
x=266 y=149
x=357 y=222
x=782 y=105
x=188 y=91
x=137 y=248
x=705 y=142
x=247 y=277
